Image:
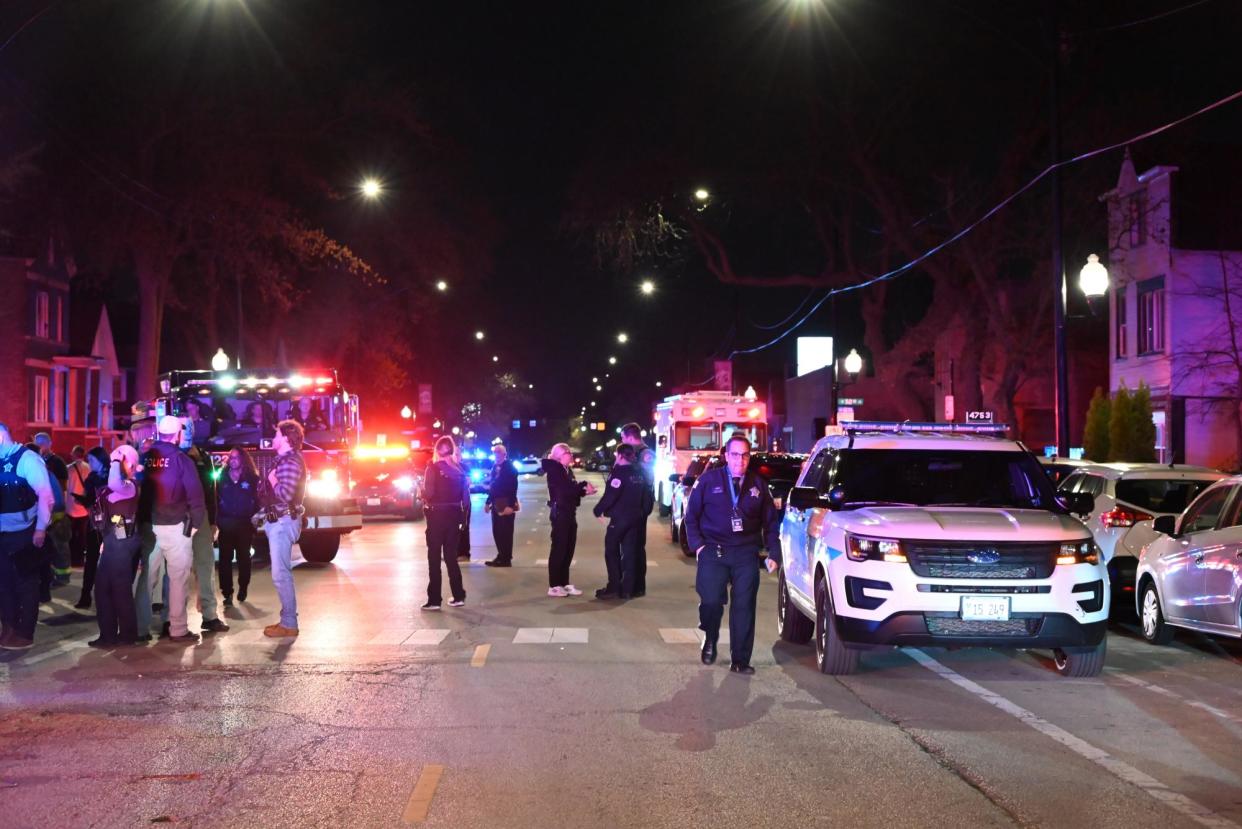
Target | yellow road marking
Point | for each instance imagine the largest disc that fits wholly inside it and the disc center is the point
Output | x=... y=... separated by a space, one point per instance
x=480 y=656
x=419 y=804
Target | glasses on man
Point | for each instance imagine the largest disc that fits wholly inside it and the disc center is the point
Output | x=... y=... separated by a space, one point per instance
x=737 y=454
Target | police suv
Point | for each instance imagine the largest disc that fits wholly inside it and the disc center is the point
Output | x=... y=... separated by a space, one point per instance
x=937 y=535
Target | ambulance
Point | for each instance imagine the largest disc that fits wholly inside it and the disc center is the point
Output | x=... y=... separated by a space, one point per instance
x=687 y=425
x=242 y=409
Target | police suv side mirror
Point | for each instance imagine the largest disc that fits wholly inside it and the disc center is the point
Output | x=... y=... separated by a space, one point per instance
x=674 y=478
x=807 y=497
x=688 y=480
x=1079 y=503
x=1166 y=524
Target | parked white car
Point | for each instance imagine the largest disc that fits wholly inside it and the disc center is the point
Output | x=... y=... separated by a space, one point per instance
x=942 y=538
x=1128 y=498
x=528 y=465
x=1191 y=575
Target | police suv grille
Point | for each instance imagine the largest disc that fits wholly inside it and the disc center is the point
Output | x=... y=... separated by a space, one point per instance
x=943 y=626
x=939 y=560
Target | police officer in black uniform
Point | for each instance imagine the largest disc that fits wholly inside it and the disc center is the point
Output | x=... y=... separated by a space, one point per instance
x=625 y=506
x=729 y=515
x=644 y=459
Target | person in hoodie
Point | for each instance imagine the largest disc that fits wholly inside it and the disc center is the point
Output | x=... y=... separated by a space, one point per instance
x=117 y=511
x=171 y=501
x=564 y=496
x=446 y=495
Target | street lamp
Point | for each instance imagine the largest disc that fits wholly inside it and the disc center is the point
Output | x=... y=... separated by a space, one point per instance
x=478 y=335
x=371 y=188
x=441 y=286
x=406 y=412
x=647 y=287
x=495 y=359
x=612 y=361
x=1093 y=278
x=658 y=384
x=623 y=338
x=702 y=195
x=853 y=365
x=220 y=360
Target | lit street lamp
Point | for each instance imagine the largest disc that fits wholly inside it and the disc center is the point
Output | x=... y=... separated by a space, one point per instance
x=612 y=361
x=495 y=359
x=647 y=287
x=623 y=338
x=478 y=335
x=658 y=384
x=371 y=188
x=406 y=412
x=853 y=365
x=1093 y=278
x=701 y=195
x=220 y=360
x=441 y=286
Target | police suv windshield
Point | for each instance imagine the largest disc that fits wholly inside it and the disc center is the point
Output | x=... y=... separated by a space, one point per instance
x=927 y=477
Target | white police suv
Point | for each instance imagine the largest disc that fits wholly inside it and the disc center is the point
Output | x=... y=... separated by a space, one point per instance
x=938 y=535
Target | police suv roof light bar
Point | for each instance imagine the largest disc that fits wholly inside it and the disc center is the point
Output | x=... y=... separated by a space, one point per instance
x=858 y=426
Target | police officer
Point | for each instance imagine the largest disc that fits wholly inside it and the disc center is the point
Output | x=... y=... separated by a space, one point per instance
x=117 y=509
x=729 y=514
x=171 y=501
x=446 y=493
x=644 y=458
x=626 y=504
x=564 y=495
x=203 y=542
x=502 y=503
x=25 y=511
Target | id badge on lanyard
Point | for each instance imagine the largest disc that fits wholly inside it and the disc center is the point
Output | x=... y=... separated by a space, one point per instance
x=736 y=520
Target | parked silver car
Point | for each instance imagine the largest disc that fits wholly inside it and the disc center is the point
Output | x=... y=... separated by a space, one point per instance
x=1191 y=575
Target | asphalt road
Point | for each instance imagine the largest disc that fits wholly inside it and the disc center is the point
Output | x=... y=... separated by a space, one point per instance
x=520 y=710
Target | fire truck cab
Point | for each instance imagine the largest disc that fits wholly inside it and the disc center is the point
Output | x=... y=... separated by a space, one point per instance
x=242 y=408
x=687 y=425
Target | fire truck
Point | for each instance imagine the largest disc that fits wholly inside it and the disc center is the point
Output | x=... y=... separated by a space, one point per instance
x=692 y=424
x=245 y=407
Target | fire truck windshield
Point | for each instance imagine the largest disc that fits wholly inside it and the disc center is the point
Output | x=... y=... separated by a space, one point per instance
x=756 y=433
x=247 y=419
x=697 y=436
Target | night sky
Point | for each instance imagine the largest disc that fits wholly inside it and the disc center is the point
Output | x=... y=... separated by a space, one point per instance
x=536 y=110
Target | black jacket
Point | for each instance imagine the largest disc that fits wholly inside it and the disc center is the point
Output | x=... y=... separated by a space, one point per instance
x=564 y=493
x=627 y=496
x=502 y=491
x=171 y=490
x=238 y=500
x=446 y=485
x=709 y=513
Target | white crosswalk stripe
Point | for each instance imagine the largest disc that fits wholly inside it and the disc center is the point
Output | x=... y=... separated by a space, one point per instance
x=551 y=636
x=689 y=636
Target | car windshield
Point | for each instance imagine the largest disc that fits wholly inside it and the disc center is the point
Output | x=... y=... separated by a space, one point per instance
x=927 y=477
x=1159 y=494
x=774 y=468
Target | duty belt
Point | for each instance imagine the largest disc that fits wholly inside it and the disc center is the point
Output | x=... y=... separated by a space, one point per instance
x=274 y=513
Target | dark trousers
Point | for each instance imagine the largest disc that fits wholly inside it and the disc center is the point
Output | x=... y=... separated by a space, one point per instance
x=79 y=531
x=463 y=537
x=21 y=568
x=737 y=567
x=114 y=588
x=621 y=548
x=564 y=539
x=235 y=540
x=443 y=531
x=502 y=531
x=91 y=563
x=640 y=558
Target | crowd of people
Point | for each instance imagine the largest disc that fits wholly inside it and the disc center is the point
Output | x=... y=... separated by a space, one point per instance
x=146 y=518
x=142 y=521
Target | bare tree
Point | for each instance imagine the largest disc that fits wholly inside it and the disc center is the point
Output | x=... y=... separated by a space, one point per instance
x=1212 y=364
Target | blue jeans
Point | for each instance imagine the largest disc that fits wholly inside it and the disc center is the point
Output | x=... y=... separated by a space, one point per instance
x=281 y=536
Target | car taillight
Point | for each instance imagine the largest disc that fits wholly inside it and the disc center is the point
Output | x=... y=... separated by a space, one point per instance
x=1122 y=517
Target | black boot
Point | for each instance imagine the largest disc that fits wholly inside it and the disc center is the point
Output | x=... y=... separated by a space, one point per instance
x=84 y=603
x=709 y=651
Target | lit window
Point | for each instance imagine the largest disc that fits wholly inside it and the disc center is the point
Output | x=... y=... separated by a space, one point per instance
x=41 y=393
x=1122 y=328
x=1151 y=316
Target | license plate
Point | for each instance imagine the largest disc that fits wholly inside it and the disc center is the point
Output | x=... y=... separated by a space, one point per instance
x=373 y=502
x=985 y=608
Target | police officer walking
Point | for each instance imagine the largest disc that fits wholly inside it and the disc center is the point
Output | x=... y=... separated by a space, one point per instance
x=625 y=506
x=729 y=515
x=446 y=494
x=25 y=511
x=644 y=458
x=502 y=503
x=171 y=501
x=117 y=511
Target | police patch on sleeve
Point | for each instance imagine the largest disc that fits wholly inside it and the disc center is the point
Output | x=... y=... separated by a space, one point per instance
x=615 y=483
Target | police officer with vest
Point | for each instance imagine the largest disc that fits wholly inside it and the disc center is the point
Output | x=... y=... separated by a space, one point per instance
x=625 y=506
x=25 y=511
x=729 y=516
x=644 y=459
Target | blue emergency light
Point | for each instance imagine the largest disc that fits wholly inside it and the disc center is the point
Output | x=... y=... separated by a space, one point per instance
x=476 y=475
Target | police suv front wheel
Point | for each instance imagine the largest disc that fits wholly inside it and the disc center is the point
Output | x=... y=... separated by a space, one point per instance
x=831 y=654
x=790 y=623
x=1080 y=664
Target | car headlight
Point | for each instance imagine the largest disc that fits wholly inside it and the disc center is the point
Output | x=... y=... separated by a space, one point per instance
x=1079 y=552
x=860 y=548
x=325 y=486
x=405 y=483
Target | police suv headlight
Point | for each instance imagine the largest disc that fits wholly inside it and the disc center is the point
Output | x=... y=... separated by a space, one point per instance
x=1079 y=552
x=405 y=483
x=861 y=548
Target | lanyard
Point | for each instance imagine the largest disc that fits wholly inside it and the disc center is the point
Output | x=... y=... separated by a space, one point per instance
x=732 y=492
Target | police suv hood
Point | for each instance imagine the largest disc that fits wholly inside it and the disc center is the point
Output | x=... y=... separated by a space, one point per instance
x=963 y=524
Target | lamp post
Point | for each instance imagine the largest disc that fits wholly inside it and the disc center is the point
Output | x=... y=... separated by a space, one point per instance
x=220 y=360
x=853 y=365
x=406 y=412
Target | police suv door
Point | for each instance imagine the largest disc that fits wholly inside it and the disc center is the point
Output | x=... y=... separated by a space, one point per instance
x=795 y=544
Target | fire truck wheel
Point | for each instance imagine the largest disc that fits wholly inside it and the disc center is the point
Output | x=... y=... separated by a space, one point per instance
x=319 y=548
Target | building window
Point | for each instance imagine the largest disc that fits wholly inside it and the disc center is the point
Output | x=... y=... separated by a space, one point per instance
x=1151 y=316
x=60 y=319
x=1122 y=329
x=41 y=393
x=42 y=317
x=1137 y=206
